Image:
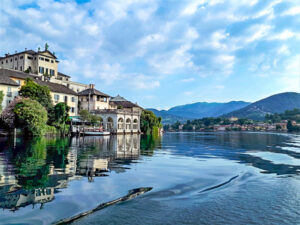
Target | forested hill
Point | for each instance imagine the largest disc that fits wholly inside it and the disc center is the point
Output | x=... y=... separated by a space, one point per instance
x=198 y=110
x=277 y=103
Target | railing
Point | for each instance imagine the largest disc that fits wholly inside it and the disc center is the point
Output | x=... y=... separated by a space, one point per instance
x=119 y=111
x=134 y=126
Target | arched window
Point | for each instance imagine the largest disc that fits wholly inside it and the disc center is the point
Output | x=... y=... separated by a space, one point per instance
x=128 y=124
x=121 y=123
x=110 y=123
x=135 y=124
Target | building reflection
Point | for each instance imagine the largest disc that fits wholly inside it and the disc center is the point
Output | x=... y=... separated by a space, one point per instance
x=33 y=176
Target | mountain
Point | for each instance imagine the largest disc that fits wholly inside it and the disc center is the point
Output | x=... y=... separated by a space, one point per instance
x=168 y=118
x=274 y=104
x=198 y=110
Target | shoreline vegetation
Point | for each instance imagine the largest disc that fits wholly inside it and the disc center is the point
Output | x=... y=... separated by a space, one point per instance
x=32 y=113
x=288 y=121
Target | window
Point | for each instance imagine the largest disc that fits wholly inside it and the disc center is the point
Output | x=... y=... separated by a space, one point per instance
x=9 y=89
x=16 y=59
x=41 y=58
x=72 y=109
x=73 y=99
x=52 y=61
x=21 y=57
x=6 y=61
x=18 y=81
x=16 y=68
x=105 y=99
x=56 y=98
x=51 y=72
x=11 y=59
x=29 y=57
x=34 y=58
x=21 y=68
x=66 y=99
x=41 y=69
x=2 y=62
x=46 y=70
x=47 y=60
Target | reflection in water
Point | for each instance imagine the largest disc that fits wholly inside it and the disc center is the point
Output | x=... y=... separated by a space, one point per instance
x=195 y=177
x=33 y=174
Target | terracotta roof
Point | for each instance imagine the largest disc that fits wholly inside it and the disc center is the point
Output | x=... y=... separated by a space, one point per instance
x=92 y=91
x=63 y=75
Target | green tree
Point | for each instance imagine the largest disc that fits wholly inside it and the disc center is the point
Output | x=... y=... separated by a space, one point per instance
x=31 y=117
x=61 y=116
x=85 y=115
x=1 y=99
x=149 y=122
x=37 y=92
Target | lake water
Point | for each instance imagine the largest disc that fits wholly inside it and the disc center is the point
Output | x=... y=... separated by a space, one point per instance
x=197 y=178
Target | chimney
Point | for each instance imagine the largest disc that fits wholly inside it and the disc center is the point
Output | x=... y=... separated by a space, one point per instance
x=92 y=86
x=7 y=54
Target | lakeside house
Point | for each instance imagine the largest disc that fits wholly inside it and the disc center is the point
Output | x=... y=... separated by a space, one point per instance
x=119 y=115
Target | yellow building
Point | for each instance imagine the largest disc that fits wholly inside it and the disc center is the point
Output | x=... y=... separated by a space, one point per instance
x=15 y=79
x=39 y=63
x=9 y=88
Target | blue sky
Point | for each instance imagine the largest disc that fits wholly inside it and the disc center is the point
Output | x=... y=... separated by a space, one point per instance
x=162 y=53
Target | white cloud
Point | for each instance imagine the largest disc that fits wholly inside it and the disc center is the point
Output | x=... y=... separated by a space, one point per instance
x=284 y=35
x=188 y=80
x=293 y=11
x=284 y=50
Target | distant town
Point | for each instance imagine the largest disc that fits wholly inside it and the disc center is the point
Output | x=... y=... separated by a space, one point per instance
x=289 y=121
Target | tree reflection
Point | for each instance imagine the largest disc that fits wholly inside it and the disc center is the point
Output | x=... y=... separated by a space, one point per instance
x=30 y=163
x=149 y=143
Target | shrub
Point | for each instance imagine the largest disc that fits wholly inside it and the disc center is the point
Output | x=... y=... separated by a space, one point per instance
x=8 y=115
x=31 y=117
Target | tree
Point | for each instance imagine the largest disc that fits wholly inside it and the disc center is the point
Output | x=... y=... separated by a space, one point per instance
x=37 y=92
x=149 y=122
x=85 y=115
x=1 y=99
x=31 y=117
x=61 y=116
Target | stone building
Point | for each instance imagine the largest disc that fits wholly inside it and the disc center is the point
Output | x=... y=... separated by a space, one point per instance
x=39 y=63
x=14 y=80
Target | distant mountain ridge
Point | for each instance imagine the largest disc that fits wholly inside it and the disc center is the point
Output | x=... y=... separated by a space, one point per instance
x=198 y=110
x=277 y=103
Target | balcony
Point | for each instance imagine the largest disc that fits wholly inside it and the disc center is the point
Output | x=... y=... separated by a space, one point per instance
x=9 y=94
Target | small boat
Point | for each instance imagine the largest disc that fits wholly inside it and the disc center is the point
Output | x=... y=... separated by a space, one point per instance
x=96 y=133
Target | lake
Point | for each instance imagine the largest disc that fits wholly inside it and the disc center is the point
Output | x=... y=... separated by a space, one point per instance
x=197 y=178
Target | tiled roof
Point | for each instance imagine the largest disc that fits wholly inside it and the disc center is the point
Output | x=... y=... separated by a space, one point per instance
x=120 y=101
x=92 y=91
x=6 y=80
x=118 y=98
x=18 y=74
x=54 y=87
x=31 y=52
x=63 y=75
